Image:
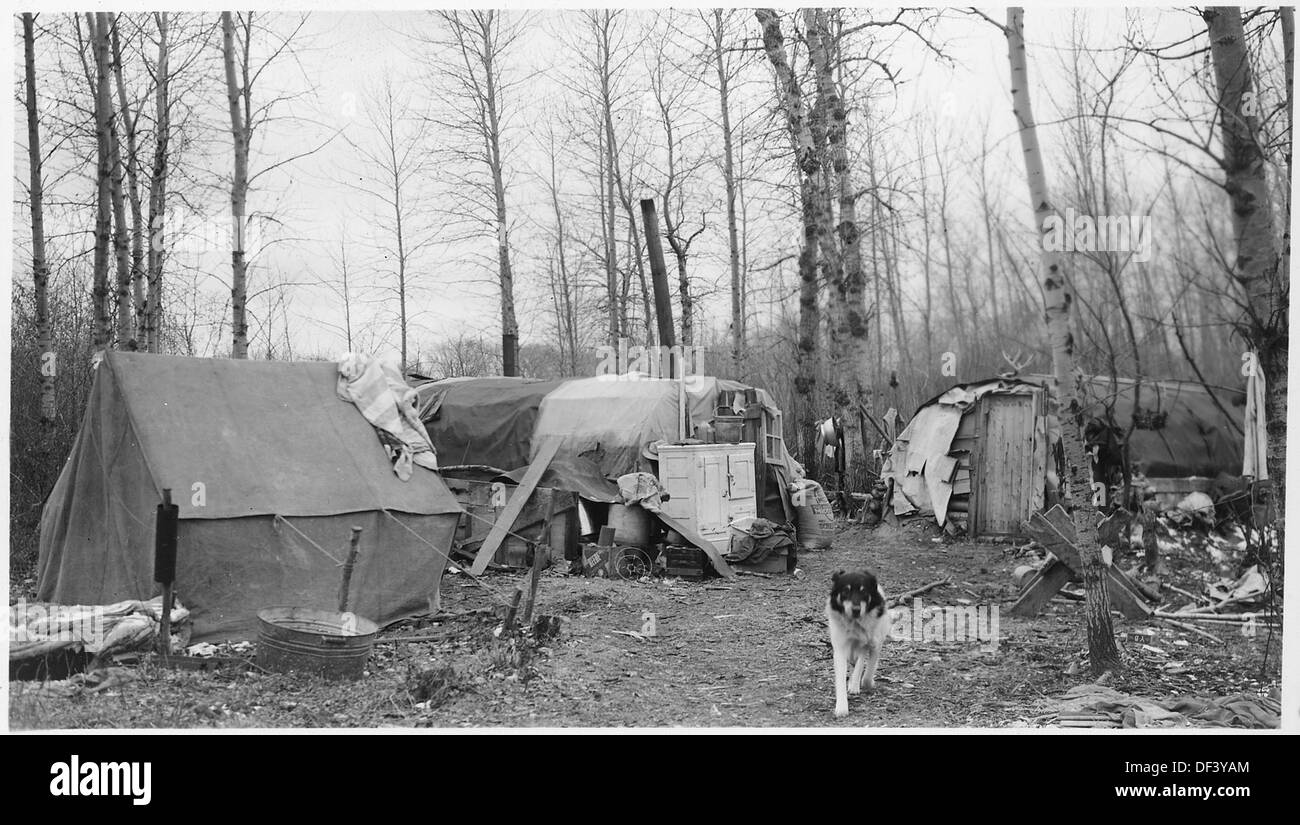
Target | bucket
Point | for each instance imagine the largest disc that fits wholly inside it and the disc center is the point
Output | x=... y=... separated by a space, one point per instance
x=814 y=518
x=631 y=524
x=303 y=640
x=728 y=429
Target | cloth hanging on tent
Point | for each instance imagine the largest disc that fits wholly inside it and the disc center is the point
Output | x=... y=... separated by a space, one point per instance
x=389 y=404
x=832 y=442
x=1254 y=461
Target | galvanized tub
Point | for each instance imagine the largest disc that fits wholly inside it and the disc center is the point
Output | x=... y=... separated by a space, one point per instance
x=320 y=642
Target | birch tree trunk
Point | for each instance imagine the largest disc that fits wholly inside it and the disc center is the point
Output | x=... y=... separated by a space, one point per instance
x=103 y=322
x=151 y=320
x=238 y=101
x=121 y=232
x=47 y=363
x=853 y=338
x=132 y=168
x=1103 y=654
x=1258 y=264
x=790 y=99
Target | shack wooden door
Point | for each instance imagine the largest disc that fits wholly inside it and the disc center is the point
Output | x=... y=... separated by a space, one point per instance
x=1003 y=480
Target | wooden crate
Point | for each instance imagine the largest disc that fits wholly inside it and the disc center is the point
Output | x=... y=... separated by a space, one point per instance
x=483 y=502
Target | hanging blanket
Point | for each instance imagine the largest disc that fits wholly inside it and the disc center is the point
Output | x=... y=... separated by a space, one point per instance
x=388 y=403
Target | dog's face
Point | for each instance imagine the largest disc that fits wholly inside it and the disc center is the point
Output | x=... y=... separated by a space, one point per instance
x=855 y=594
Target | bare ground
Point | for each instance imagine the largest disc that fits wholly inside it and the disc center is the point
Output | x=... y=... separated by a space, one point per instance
x=750 y=652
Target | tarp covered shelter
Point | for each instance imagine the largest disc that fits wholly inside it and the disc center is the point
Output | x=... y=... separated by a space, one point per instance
x=270 y=469
x=1182 y=431
x=613 y=418
x=604 y=425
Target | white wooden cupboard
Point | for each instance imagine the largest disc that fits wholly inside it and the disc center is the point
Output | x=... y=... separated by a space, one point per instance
x=709 y=486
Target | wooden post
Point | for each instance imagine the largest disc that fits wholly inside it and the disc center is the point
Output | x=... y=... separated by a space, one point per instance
x=347 y=569
x=538 y=561
x=164 y=564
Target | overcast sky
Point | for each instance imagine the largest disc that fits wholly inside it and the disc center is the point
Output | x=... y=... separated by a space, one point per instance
x=345 y=54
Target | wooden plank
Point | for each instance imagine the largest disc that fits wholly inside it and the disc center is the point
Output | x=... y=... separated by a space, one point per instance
x=515 y=506
x=699 y=541
x=1041 y=588
x=1055 y=531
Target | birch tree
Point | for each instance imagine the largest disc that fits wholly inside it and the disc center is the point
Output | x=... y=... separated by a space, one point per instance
x=1066 y=407
x=238 y=96
x=808 y=165
x=47 y=365
x=97 y=33
x=1258 y=265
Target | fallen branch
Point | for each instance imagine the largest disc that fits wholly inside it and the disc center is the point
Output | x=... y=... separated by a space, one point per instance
x=1214 y=608
x=1193 y=628
x=902 y=597
x=1226 y=618
x=1183 y=592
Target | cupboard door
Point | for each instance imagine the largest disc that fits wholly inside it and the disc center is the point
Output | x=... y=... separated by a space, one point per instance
x=711 y=493
x=677 y=474
x=741 y=488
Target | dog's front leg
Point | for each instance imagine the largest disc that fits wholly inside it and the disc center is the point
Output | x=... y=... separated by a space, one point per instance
x=841 y=693
x=872 y=658
x=855 y=681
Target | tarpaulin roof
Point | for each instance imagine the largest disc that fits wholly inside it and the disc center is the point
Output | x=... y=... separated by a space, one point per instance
x=603 y=423
x=612 y=418
x=482 y=420
x=269 y=469
x=1193 y=437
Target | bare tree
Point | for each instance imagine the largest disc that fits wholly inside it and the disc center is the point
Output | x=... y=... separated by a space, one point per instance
x=394 y=174
x=40 y=269
x=725 y=72
x=479 y=45
x=1057 y=298
x=1258 y=266
x=239 y=97
x=97 y=28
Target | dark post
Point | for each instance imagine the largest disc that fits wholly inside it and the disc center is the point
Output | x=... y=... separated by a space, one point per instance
x=659 y=273
x=509 y=349
x=164 y=563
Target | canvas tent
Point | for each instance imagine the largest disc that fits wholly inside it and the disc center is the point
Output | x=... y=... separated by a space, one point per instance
x=270 y=469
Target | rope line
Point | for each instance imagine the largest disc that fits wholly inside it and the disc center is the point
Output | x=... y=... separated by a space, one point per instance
x=279 y=519
x=449 y=559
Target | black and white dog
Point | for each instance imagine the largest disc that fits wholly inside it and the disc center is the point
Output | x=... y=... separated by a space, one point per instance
x=859 y=624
